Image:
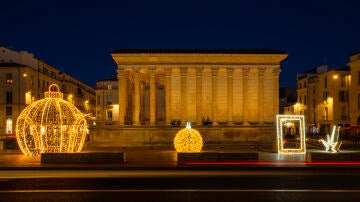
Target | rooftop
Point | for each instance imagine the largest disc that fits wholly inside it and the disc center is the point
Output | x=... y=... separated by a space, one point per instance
x=110 y=79
x=202 y=51
x=11 y=65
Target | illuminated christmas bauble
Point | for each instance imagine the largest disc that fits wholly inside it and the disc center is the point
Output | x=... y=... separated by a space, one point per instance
x=50 y=125
x=188 y=140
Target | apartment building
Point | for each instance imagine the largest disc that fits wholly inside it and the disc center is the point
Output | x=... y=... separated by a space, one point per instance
x=323 y=97
x=24 y=79
x=107 y=100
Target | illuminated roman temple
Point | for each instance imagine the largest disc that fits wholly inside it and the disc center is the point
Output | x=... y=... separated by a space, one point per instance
x=236 y=92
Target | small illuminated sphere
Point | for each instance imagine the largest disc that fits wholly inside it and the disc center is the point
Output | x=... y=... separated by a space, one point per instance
x=50 y=125
x=188 y=140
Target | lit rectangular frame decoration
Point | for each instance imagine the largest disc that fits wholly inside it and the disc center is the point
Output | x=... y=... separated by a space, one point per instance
x=281 y=120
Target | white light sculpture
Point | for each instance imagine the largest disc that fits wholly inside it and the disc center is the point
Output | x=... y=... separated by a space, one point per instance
x=50 y=125
x=287 y=121
x=332 y=143
x=188 y=140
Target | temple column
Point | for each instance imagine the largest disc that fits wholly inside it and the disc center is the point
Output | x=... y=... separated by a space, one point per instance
x=168 y=96
x=245 y=78
x=276 y=72
x=152 y=95
x=183 y=73
x=142 y=102
x=230 y=72
x=122 y=95
x=136 y=115
x=199 y=72
x=261 y=71
x=214 y=72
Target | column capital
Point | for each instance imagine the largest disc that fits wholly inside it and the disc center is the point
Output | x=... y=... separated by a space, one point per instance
x=214 y=71
x=152 y=71
x=168 y=71
x=276 y=71
x=183 y=71
x=261 y=71
x=199 y=71
x=245 y=71
x=120 y=71
x=230 y=71
x=136 y=69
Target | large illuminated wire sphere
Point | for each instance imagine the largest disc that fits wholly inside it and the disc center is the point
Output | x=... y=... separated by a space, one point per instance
x=50 y=125
x=188 y=140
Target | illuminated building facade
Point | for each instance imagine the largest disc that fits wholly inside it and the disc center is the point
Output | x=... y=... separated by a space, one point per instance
x=323 y=97
x=24 y=79
x=107 y=104
x=230 y=96
x=355 y=89
x=227 y=87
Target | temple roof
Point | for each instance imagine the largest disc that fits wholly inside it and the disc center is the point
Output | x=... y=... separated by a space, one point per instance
x=202 y=51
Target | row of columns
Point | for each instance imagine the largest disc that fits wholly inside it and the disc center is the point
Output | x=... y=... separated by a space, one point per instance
x=183 y=73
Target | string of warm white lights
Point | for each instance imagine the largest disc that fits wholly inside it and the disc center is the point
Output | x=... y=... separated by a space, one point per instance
x=332 y=142
x=288 y=122
x=188 y=140
x=50 y=125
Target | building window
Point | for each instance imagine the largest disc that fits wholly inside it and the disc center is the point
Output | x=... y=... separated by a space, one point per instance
x=63 y=88
x=109 y=114
x=109 y=99
x=343 y=96
x=299 y=85
x=46 y=71
x=31 y=80
x=300 y=99
x=28 y=98
x=314 y=89
x=9 y=126
x=325 y=82
x=343 y=81
x=109 y=86
x=8 y=111
x=343 y=113
x=98 y=99
x=305 y=100
x=325 y=96
x=9 y=78
x=314 y=103
x=305 y=84
x=9 y=98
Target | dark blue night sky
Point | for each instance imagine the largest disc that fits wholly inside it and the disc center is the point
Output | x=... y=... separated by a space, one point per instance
x=78 y=36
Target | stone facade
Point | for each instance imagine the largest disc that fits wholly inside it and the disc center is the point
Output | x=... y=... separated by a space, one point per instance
x=24 y=79
x=323 y=97
x=163 y=136
x=228 y=87
x=355 y=89
x=107 y=103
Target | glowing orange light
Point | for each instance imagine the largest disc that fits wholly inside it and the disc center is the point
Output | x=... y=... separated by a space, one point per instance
x=188 y=140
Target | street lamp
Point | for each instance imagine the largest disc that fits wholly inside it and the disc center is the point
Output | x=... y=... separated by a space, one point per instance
x=297 y=108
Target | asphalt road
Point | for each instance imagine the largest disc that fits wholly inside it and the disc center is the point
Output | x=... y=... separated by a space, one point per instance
x=315 y=183
x=288 y=179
